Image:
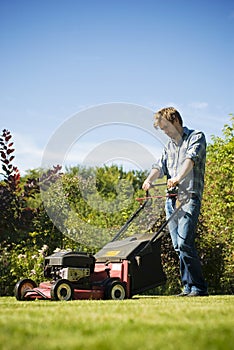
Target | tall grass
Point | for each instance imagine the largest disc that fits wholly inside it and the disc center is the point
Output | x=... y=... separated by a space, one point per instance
x=147 y=323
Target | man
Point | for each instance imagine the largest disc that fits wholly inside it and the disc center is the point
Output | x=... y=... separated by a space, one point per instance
x=183 y=163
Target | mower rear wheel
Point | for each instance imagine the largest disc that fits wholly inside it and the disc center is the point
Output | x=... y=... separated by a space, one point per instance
x=62 y=290
x=115 y=290
x=22 y=287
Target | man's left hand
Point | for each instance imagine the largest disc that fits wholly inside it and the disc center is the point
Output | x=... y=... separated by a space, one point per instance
x=172 y=182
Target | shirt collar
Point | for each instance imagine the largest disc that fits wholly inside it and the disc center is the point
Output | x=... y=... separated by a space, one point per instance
x=186 y=133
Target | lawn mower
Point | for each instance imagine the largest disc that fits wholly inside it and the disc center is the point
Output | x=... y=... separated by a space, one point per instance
x=121 y=269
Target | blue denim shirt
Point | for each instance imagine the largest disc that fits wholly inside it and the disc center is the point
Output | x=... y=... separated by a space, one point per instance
x=193 y=146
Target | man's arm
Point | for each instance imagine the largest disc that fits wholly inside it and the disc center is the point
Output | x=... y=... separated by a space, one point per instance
x=186 y=168
x=154 y=174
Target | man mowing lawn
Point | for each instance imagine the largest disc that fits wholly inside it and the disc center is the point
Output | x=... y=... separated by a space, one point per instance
x=183 y=163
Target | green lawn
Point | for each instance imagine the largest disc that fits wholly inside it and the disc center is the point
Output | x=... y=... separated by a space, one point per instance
x=140 y=323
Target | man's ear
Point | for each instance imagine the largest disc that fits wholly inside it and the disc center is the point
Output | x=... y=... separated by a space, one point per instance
x=176 y=121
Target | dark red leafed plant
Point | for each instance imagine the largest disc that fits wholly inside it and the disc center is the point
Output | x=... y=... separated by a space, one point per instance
x=17 y=218
x=9 y=189
x=10 y=173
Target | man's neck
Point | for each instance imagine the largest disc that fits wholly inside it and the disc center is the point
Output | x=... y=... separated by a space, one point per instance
x=178 y=136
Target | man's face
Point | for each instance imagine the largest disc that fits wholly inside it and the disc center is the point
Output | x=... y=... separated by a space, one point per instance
x=170 y=129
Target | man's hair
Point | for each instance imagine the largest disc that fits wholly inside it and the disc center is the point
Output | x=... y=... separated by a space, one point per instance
x=168 y=113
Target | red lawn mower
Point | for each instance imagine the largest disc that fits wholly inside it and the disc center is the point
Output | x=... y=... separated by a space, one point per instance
x=121 y=269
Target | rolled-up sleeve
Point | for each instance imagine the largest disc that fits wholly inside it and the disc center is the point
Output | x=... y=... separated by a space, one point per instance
x=196 y=147
x=161 y=164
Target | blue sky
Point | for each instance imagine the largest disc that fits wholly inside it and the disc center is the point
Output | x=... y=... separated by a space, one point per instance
x=59 y=57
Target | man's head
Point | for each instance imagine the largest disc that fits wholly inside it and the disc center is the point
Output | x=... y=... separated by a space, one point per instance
x=169 y=120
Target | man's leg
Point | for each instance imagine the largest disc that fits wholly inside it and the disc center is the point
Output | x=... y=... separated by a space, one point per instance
x=173 y=229
x=191 y=271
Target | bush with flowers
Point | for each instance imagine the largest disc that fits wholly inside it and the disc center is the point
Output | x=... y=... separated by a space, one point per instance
x=20 y=262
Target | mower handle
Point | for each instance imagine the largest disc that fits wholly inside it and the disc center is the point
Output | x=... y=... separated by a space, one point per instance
x=134 y=215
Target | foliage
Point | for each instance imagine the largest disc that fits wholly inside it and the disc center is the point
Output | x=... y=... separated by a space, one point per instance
x=11 y=214
x=216 y=221
x=18 y=262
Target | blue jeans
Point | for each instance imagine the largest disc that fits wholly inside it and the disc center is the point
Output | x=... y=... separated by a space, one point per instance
x=182 y=229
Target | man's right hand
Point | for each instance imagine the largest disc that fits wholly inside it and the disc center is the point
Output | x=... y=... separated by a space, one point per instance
x=146 y=185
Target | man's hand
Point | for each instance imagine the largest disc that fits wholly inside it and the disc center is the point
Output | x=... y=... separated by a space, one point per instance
x=186 y=168
x=154 y=174
x=173 y=182
x=146 y=185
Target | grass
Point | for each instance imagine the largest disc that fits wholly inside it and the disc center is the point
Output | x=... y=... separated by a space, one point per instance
x=140 y=323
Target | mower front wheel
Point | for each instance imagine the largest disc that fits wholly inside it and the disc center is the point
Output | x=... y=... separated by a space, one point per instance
x=22 y=287
x=115 y=290
x=62 y=290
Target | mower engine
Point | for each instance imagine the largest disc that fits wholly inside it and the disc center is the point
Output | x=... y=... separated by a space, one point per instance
x=72 y=266
x=72 y=274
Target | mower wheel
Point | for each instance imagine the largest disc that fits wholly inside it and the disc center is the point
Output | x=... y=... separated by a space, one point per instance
x=62 y=290
x=22 y=287
x=115 y=290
